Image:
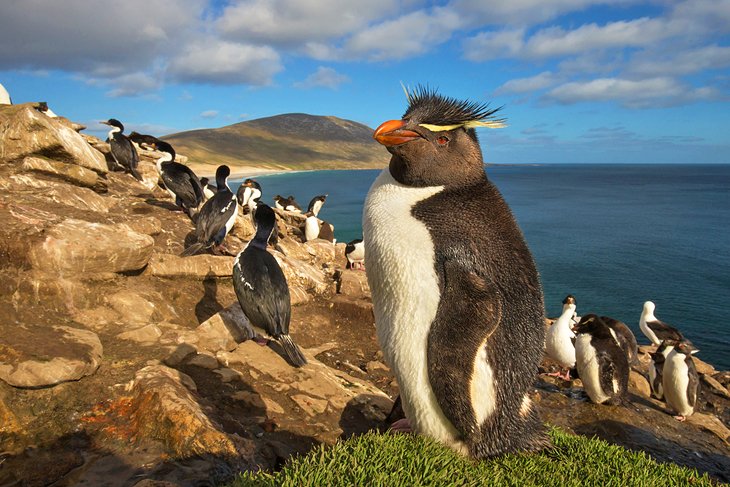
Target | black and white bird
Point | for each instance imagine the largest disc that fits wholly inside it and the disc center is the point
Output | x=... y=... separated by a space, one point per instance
x=43 y=107
x=625 y=338
x=180 y=181
x=654 y=329
x=656 y=368
x=680 y=380
x=287 y=204
x=560 y=342
x=456 y=294
x=208 y=189
x=217 y=216
x=570 y=299
x=123 y=152
x=355 y=254
x=249 y=194
x=261 y=286
x=601 y=362
x=144 y=141
x=315 y=205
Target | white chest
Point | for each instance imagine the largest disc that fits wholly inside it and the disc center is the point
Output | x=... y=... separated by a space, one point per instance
x=405 y=291
x=311 y=228
x=589 y=369
x=675 y=382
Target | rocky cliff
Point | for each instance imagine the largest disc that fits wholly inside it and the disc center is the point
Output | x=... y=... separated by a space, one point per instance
x=121 y=362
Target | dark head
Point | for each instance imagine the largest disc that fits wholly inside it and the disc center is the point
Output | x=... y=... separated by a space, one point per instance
x=265 y=220
x=165 y=147
x=435 y=143
x=204 y=181
x=593 y=325
x=316 y=204
x=252 y=183
x=569 y=299
x=113 y=122
x=221 y=177
x=685 y=347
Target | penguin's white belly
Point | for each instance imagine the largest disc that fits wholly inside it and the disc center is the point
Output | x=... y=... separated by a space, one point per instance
x=675 y=382
x=311 y=228
x=232 y=220
x=559 y=346
x=405 y=292
x=588 y=368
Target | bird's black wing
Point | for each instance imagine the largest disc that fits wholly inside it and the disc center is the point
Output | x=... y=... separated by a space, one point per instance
x=475 y=302
x=262 y=291
x=606 y=371
x=213 y=217
x=694 y=383
x=664 y=331
x=182 y=181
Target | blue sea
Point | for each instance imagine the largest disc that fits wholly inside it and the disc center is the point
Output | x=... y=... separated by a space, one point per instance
x=612 y=235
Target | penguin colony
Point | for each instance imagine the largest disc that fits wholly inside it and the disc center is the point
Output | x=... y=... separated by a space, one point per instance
x=605 y=349
x=457 y=300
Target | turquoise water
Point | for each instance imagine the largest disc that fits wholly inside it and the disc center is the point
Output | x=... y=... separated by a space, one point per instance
x=612 y=235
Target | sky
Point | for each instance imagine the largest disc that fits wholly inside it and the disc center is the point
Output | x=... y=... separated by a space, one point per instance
x=580 y=81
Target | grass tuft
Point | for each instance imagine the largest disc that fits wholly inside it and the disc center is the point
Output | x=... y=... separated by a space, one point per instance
x=407 y=460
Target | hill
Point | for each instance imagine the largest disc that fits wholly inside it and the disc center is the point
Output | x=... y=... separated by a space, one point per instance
x=293 y=141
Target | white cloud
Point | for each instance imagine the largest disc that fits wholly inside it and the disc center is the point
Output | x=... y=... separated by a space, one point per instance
x=630 y=93
x=220 y=62
x=494 y=45
x=323 y=77
x=209 y=114
x=294 y=22
x=527 y=85
x=681 y=62
x=406 y=36
x=521 y=12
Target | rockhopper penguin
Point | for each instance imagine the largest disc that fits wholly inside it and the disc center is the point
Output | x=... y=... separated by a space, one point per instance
x=680 y=380
x=261 y=287
x=601 y=362
x=457 y=299
x=560 y=342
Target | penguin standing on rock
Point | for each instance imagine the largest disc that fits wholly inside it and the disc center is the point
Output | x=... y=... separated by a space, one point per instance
x=355 y=254
x=559 y=343
x=217 y=216
x=123 y=152
x=625 y=337
x=312 y=223
x=601 y=362
x=262 y=289
x=680 y=379
x=656 y=369
x=457 y=299
x=180 y=181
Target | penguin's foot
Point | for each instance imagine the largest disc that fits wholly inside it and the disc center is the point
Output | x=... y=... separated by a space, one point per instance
x=680 y=418
x=261 y=340
x=401 y=426
x=560 y=374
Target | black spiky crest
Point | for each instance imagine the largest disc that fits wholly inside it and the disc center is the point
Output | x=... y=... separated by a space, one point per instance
x=427 y=106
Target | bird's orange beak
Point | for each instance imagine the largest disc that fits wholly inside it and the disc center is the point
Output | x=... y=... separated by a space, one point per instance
x=390 y=133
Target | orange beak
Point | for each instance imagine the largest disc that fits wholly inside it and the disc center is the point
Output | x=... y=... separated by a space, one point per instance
x=390 y=133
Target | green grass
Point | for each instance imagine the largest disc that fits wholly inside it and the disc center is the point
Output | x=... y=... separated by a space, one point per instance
x=406 y=460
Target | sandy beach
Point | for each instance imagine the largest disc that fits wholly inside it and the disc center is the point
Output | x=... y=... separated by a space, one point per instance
x=238 y=172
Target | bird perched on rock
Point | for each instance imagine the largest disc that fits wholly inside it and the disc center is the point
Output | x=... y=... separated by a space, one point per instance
x=208 y=189
x=457 y=299
x=601 y=362
x=570 y=299
x=656 y=369
x=144 y=141
x=656 y=330
x=560 y=341
x=287 y=204
x=123 y=152
x=355 y=254
x=316 y=204
x=180 y=181
x=249 y=194
x=680 y=380
x=625 y=337
x=262 y=289
x=217 y=216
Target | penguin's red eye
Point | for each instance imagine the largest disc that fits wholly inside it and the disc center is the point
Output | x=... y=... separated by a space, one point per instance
x=442 y=140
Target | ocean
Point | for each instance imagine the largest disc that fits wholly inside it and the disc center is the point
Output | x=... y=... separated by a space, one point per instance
x=612 y=235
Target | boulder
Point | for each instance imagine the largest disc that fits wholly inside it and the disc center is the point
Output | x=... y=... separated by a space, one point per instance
x=149 y=225
x=221 y=332
x=203 y=266
x=353 y=283
x=638 y=384
x=305 y=275
x=74 y=174
x=77 y=247
x=24 y=131
x=163 y=408
x=144 y=335
x=81 y=198
x=9 y=425
x=321 y=251
x=132 y=307
x=41 y=357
